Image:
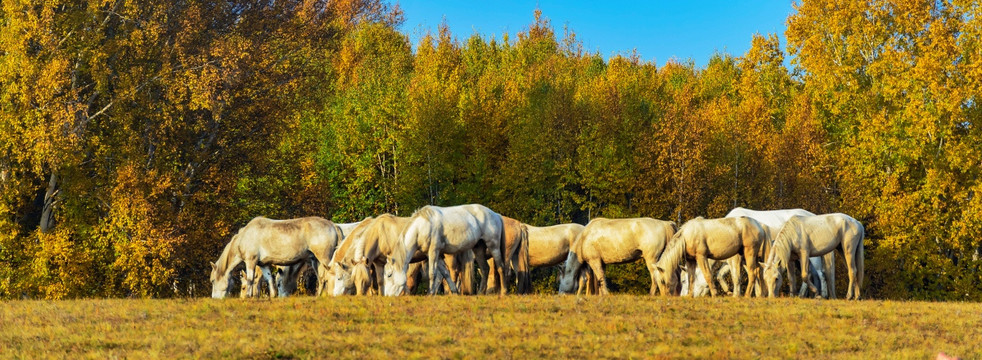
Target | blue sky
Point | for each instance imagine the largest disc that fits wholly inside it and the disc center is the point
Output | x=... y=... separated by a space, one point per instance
x=659 y=30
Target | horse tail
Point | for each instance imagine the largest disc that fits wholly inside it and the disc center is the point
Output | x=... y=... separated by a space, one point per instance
x=524 y=278
x=861 y=256
x=505 y=265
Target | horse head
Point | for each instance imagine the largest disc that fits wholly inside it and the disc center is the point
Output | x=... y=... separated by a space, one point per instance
x=667 y=282
x=395 y=279
x=220 y=282
x=772 y=275
x=340 y=275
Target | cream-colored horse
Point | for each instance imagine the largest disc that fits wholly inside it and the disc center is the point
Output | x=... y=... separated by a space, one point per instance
x=773 y=221
x=699 y=240
x=370 y=244
x=287 y=276
x=615 y=241
x=549 y=246
x=266 y=242
x=807 y=236
x=451 y=230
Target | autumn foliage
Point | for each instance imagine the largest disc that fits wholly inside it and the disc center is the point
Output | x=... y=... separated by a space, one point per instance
x=135 y=137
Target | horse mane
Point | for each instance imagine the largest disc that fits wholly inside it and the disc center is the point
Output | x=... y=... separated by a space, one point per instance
x=425 y=211
x=355 y=240
x=225 y=258
x=674 y=253
x=781 y=246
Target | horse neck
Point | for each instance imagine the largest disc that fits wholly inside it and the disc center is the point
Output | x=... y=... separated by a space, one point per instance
x=782 y=247
x=674 y=254
x=407 y=245
x=229 y=257
x=395 y=247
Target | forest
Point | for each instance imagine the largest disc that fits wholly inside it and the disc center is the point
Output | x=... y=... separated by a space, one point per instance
x=136 y=137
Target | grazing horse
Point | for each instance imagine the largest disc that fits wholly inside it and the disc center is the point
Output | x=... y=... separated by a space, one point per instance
x=816 y=236
x=773 y=221
x=370 y=244
x=264 y=242
x=549 y=246
x=615 y=241
x=446 y=230
x=699 y=240
x=287 y=276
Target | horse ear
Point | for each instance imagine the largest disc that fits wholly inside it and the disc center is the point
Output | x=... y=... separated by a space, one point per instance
x=213 y=266
x=659 y=268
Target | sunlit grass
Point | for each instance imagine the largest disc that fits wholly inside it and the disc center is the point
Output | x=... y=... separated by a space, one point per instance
x=622 y=326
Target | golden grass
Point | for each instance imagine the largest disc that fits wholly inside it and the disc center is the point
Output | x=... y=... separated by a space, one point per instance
x=546 y=326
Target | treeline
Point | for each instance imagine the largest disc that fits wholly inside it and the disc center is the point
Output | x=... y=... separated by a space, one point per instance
x=137 y=137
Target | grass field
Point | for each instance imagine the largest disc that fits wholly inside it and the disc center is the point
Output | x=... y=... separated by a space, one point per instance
x=547 y=326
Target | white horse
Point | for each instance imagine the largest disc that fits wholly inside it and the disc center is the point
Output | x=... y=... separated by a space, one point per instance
x=369 y=244
x=446 y=230
x=287 y=276
x=816 y=236
x=615 y=241
x=773 y=220
x=699 y=240
x=265 y=242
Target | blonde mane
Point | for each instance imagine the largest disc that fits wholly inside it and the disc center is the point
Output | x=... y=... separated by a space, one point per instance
x=674 y=253
x=225 y=258
x=781 y=247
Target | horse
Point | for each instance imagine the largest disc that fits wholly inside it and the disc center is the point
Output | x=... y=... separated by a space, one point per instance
x=266 y=242
x=699 y=240
x=549 y=246
x=287 y=276
x=615 y=241
x=371 y=243
x=773 y=220
x=451 y=230
x=816 y=236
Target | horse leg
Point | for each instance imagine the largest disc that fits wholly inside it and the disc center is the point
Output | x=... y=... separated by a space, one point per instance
x=250 y=277
x=445 y=273
x=852 y=292
x=434 y=260
x=805 y=278
x=598 y=271
x=487 y=283
x=268 y=275
x=735 y=274
x=752 y=272
x=650 y=263
x=690 y=275
x=703 y=263
x=499 y=266
x=829 y=261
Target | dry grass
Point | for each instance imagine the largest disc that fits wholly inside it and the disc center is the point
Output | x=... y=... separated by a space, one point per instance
x=546 y=326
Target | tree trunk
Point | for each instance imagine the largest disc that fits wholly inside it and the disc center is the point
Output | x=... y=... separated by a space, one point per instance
x=47 y=214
